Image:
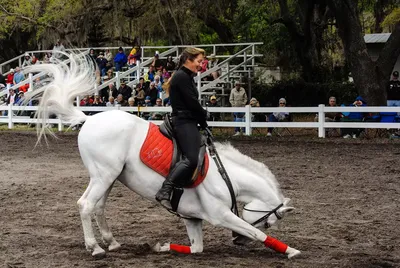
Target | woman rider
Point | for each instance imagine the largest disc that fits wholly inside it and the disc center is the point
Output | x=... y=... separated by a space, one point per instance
x=186 y=114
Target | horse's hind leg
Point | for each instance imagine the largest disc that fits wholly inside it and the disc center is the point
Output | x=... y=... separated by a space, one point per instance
x=195 y=233
x=96 y=189
x=105 y=231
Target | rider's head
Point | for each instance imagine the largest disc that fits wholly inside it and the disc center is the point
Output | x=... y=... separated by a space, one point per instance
x=192 y=58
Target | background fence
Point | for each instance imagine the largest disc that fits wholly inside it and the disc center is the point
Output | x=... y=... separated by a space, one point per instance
x=13 y=116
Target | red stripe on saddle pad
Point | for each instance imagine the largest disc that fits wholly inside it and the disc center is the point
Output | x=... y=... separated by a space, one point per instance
x=157 y=152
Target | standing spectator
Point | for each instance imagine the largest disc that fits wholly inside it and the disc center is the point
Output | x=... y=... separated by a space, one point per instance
x=134 y=56
x=92 y=54
x=27 y=60
x=238 y=98
x=58 y=47
x=108 y=55
x=278 y=116
x=102 y=63
x=10 y=78
x=170 y=64
x=393 y=90
x=125 y=90
x=120 y=59
x=18 y=76
x=157 y=63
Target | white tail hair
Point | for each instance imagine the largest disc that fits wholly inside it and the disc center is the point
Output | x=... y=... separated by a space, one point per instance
x=67 y=81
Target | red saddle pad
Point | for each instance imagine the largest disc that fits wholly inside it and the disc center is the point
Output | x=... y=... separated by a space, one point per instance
x=157 y=151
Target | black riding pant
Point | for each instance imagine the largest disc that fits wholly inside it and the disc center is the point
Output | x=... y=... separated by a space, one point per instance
x=188 y=137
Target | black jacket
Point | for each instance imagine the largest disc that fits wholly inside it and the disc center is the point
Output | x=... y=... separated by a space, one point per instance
x=184 y=97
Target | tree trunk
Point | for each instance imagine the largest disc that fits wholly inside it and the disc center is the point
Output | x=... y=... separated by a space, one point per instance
x=370 y=77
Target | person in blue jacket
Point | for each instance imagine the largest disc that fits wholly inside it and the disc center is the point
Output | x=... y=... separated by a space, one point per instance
x=120 y=59
x=354 y=117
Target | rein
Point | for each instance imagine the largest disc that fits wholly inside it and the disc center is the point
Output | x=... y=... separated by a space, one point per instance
x=268 y=213
x=221 y=169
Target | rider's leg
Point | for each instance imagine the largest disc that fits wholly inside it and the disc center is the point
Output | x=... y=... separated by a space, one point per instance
x=188 y=138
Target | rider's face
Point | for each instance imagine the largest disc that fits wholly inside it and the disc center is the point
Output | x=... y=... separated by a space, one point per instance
x=195 y=65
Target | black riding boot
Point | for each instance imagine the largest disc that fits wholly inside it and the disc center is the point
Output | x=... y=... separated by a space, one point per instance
x=176 y=177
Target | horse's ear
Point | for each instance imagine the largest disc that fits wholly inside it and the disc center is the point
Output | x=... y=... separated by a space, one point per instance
x=286 y=201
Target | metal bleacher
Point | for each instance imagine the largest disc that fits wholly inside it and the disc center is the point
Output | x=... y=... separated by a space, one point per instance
x=232 y=67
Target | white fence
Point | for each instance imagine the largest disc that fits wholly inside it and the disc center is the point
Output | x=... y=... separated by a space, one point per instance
x=321 y=125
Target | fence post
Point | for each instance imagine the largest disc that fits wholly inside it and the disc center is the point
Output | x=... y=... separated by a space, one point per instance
x=253 y=52
x=248 y=120
x=30 y=82
x=10 y=116
x=199 y=85
x=245 y=61
x=321 y=121
x=78 y=101
x=60 y=124
x=138 y=70
x=117 y=77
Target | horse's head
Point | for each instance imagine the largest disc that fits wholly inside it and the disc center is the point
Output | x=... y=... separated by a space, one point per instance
x=262 y=215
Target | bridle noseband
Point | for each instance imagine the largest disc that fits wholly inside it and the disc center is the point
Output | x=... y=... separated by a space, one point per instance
x=265 y=217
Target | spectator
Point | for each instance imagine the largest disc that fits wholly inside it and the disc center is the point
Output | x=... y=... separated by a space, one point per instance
x=165 y=74
x=204 y=65
x=92 y=54
x=131 y=102
x=108 y=55
x=157 y=115
x=211 y=64
x=12 y=97
x=257 y=117
x=58 y=47
x=102 y=63
x=125 y=90
x=10 y=78
x=157 y=63
x=27 y=60
x=97 y=101
x=18 y=76
x=147 y=102
x=140 y=96
x=354 y=117
x=134 y=56
x=333 y=116
x=152 y=93
x=213 y=103
x=109 y=74
x=121 y=101
x=47 y=58
x=278 y=116
x=141 y=84
x=120 y=59
x=170 y=64
x=238 y=98
x=158 y=83
x=393 y=90
x=149 y=76
x=111 y=102
x=2 y=80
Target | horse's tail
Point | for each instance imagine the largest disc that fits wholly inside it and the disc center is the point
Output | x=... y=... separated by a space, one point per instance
x=66 y=81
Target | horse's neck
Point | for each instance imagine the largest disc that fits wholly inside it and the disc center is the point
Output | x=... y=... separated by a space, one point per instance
x=248 y=185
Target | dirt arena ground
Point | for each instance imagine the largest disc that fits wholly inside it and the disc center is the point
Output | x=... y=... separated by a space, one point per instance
x=346 y=193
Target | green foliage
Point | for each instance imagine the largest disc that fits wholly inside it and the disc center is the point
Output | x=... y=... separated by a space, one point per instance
x=392 y=19
x=299 y=93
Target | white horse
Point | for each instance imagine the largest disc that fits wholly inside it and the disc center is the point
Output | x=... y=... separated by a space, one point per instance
x=119 y=136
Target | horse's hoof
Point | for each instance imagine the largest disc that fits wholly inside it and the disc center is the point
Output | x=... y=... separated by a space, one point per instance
x=98 y=253
x=157 y=247
x=291 y=252
x=114 y=246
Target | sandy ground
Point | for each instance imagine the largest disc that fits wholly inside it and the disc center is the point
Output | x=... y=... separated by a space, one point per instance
x=346 y=193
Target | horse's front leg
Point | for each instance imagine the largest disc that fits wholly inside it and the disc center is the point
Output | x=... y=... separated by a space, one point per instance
x=231 y=221
x=195 y=233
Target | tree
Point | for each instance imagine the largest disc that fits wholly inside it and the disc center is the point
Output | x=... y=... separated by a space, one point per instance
x=370 y=77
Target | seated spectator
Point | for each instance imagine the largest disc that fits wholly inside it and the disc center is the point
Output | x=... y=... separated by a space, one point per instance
x=27 y=60
x=213 y=103
x=108 y=55
x=120 y=100
x=158 y=83
x=165 y=74
x=109 y=74
x=147 y=102
x=149 y=76
x=278 y=116
x=47 y=58
x=18 y=76
x=111 y=102
x=102 y=63
x=152 y=93
x=157 y=115
x=354 y=117
x=120 y=60
x=97 y=101
x=10 y=77
x=125 y=90
x=12 y=97
x=257 y=117
x=131 y=102
x=170 y=64
x=213 y=61
x=140 y=95
x=331 y=117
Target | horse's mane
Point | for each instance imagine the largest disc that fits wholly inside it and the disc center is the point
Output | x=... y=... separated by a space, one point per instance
x=231 y=153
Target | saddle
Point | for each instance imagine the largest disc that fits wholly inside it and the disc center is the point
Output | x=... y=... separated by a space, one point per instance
x=161 y=152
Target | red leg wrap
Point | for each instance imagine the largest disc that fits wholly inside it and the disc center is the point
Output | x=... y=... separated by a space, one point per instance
x=180 y=248
x=275 y=244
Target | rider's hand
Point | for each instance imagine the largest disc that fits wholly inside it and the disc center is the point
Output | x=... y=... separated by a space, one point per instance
x=204 y=125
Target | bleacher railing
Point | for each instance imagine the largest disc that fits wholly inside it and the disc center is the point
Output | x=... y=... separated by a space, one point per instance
x=321 y=125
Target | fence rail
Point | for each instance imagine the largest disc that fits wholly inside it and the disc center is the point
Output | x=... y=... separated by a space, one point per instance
x=321 y=125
